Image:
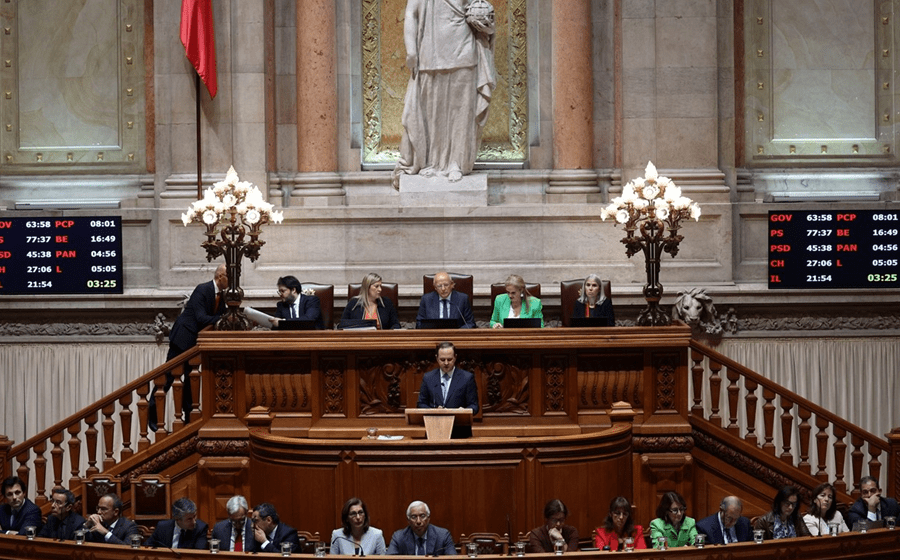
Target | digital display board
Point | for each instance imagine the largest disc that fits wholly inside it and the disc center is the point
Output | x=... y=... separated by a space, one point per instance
x=834 y=249
x=71 y=255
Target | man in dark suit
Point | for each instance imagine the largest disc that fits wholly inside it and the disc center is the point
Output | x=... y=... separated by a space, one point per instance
x=204 y=308
x=296 y=305
x=449 y=387
x=445 y=303
x=421 y=538
x=184 y=530
x=18 y=512
x=236 y=532
x=870 y=505
x=269 y=532
x=727 y=525
x=107 y=525
x=62 y=521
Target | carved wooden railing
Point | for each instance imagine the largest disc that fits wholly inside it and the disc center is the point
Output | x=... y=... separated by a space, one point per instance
x=115 y=414
x=748 y=394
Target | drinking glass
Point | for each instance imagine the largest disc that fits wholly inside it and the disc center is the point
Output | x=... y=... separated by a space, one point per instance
x=758 y=536
x=863 y=526
x=558 y=547
x=372 y=433
x=520 y=548
x=136 y=541
x=662 y=543
x=79 y=536
x=214 y=546
x=890 y=522
x=629 y=544
x=30 y=532
x=285 y=549
x=472 y=549
x=833 y=529
x=700 y=540
x=320 y=549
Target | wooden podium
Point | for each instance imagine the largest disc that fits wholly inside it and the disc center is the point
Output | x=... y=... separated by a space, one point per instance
x=439 y=422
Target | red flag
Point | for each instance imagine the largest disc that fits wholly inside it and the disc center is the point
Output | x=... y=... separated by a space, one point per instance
x=199 y=40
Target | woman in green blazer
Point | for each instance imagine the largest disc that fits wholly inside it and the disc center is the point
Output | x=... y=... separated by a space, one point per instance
x=516 y=302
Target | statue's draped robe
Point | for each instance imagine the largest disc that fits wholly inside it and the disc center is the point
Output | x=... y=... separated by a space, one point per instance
x=447 y=98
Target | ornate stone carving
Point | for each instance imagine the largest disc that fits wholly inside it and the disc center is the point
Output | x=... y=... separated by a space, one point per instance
x=130 y=328
x=695 y=307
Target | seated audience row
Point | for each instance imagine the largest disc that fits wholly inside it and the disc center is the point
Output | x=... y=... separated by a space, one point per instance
x=370 y=309
x=261 y=529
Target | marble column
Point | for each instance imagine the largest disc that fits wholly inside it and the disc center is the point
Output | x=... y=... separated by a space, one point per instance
x=317 y=181
x=573 y=106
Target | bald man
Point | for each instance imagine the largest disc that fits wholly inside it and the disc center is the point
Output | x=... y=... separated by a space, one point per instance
x=445 y=303
x=204 y=308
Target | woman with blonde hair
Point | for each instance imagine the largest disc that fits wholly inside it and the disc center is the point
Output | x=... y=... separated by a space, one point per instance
x=516 y=302
x=370 y=305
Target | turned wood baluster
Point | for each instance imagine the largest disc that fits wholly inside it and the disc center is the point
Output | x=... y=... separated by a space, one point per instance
x=875 y=464
x=159 y=395
x=696 y=381
x=194 y=380
x=177 y=390
x=840 y=455
x=768 y=420
x=804 y=431
x=23 y=472
x=40 y=470
x=787 y=423
x=109 y=427
x=142 y=405
x=90 y=440
x=74 y=454
x=125 y=421
x=733 y=393
x=856 y=459
x=821 y=448
x=56 y=457
x=750 y=404
x=715 y=393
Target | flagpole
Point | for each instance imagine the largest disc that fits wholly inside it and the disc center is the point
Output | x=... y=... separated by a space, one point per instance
x=198 y=91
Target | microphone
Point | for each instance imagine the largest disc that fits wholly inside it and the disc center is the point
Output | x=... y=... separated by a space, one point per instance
x=357 y=549
x=461 y=315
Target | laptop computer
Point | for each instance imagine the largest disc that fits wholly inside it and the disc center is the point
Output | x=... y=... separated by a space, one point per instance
x=439 y=324
x=296 y=325
x=522 y=323
x=589 y=322
x=358 y=325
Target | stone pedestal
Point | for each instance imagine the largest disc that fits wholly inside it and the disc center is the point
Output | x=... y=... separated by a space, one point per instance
x=416 y=190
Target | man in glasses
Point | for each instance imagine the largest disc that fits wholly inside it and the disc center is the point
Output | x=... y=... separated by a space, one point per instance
x=421 y=538
x=445 y=303
x=235 y=533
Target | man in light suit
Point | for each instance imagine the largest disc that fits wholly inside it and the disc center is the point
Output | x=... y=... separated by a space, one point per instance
x=727 y=525
x=296 y=305
x=236 y=532
x=204 y=308
x=269 y=532
x=18 y=512
x=184 y=530
x=445 y=303
x=421 y=538
x=449 y=387
x=108 y=525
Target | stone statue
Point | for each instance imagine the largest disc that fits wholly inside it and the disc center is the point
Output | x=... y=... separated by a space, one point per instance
x=695 y=307
x=449 y=52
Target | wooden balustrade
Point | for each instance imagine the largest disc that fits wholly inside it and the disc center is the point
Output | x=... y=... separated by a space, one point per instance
x=108 y=445
x=796 y=413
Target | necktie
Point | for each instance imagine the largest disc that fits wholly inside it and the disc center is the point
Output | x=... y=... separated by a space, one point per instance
x=218 y=301
x=445 y=309
x=732 y=536
x=180 y=543
x=444 y=386
x=238 y=544
x=420 y=546
x=293 y=311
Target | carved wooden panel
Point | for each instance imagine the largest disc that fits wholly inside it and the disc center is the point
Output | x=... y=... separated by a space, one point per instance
x=604 y=380
x=505 y=384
